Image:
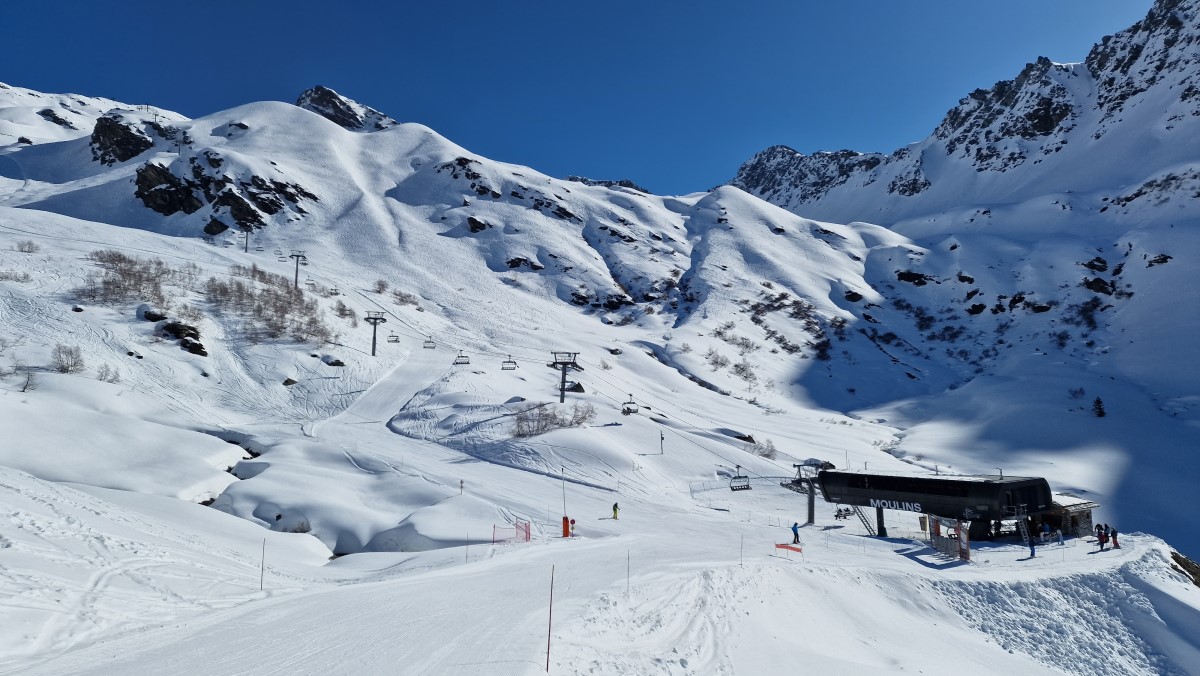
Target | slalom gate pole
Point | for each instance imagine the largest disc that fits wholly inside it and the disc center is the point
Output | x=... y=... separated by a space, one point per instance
x=263 y=569
x=549 y=619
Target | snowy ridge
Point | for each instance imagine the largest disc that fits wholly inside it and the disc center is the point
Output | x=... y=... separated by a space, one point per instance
x=1051 y=130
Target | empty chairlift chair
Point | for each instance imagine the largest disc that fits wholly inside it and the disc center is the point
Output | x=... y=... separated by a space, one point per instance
x=393 y=338
x=461 y=359
x=429 y=344
x=508 y=364
x=739 y=482
x=630 y=407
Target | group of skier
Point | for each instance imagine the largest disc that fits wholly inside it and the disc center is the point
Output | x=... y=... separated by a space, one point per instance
x=1104 y=533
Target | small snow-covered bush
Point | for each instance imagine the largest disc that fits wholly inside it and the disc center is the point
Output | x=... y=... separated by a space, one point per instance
x=537 y=419
x=66 y=358
x=28 y=246
x=745 y=370
x=723 y=330
x=403 y=297
x=744 y=345
x=14 y=276
x=763 y=449
x=715 y=359
x=108 y=374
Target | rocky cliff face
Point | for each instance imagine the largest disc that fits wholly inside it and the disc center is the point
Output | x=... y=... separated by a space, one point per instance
x=608 y=183
x=343 y=111
x=1048 y=130
x=235 y=197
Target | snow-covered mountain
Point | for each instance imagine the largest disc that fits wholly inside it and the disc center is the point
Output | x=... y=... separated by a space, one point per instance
x=1112 y=139
x=162 y=345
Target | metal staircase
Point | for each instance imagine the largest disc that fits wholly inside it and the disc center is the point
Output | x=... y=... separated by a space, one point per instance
x=1018 y=512
x=863 y=517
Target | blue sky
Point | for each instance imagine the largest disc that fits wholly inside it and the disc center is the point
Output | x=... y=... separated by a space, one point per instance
x=674 y=95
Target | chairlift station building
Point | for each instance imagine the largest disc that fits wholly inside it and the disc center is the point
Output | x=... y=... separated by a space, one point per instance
x=978 y=499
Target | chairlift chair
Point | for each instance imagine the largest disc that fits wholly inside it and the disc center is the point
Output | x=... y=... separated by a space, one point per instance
x=279 y=252
x=283 y=259
x=739 y=482
x=333 y=291
x=259 y=248
x=461 y=359
x=303 y=262
x=393 y=338
x=429 y=344
x=630 y=407
x=508 y=364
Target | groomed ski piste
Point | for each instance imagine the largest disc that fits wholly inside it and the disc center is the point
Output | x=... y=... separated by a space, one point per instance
x=108 y=564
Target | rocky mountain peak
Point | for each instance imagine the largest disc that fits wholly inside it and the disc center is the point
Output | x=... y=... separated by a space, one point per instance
x=780 y=169
x=343 y=111
x=608 y=183
x=1139 y=57
x=1043 y=130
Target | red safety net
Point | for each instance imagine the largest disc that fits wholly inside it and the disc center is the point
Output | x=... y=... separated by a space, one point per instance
x=518 y=532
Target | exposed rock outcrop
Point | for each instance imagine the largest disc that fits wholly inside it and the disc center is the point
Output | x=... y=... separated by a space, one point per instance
x=191 y=182
x=116 y=140
x=343 y=111
x=620 y=183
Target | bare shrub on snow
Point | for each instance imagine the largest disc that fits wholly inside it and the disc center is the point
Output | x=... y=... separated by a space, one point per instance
x=745 y=346
x=381 y=285
x=108 y=374
x=270 y=307
x=28 y=375
x=126 y=278
x=716 y=360
x=66 y=358
x=14 y=276
x=537 y=419
x=190 y=315
x=403 y=298
x=28 y=246
x=745 y=370
x=763 y=449
x=723 y=330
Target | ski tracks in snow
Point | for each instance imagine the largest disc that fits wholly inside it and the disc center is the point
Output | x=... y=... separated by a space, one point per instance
x=64 y=582
x=679 y=636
